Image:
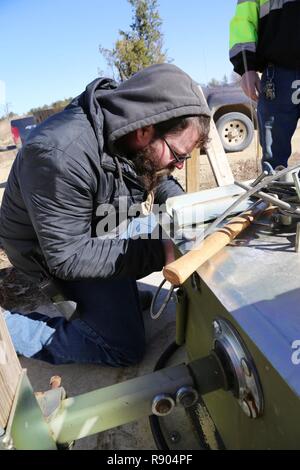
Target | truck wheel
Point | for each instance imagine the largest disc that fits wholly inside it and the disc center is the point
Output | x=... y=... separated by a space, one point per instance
x=236 y=131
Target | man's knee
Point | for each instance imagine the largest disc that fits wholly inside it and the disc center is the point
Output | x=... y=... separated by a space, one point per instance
x=130 y=356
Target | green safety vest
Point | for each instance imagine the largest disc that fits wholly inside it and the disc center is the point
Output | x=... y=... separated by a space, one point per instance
x=251 y=17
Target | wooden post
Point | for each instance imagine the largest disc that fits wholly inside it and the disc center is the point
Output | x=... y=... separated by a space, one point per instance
x=192 y=174
x=10 y=372
x=218 y=159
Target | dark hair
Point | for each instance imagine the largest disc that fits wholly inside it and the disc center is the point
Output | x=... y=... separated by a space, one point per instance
x=177 y=125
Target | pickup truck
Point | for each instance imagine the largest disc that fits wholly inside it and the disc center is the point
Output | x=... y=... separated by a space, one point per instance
x=231 y=111
x=21 y=128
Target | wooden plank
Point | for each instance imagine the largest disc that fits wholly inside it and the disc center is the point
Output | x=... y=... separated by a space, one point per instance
x=218 y=159
x=192 y=174
x=217 y=156
x=10 y=372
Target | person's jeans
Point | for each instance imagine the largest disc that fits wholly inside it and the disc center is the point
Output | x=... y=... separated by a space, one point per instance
x=282 y=110
x=110 y=329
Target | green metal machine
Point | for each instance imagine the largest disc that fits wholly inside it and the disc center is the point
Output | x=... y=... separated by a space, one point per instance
x=232 y=380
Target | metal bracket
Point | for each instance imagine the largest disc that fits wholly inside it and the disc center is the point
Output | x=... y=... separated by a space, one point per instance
x=238 y=363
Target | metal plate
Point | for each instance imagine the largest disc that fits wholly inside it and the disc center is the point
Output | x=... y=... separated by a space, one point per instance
x=258 y=282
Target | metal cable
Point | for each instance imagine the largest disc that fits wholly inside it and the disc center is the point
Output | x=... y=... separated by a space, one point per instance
x=155 y=316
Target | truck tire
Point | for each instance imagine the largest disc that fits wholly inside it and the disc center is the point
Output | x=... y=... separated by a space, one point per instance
x=236 y=131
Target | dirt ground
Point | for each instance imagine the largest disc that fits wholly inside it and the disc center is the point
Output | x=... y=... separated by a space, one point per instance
x=5 y=133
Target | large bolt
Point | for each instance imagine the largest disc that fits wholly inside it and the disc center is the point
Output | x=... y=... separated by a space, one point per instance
x=8 y=443
x=175 y=437
x=162 y=404
x=246 y=409
x=245 y=367
x=186 y=396
x=55 y=381
x=217 y=327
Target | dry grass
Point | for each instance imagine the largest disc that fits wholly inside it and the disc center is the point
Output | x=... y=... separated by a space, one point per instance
x=5 y=133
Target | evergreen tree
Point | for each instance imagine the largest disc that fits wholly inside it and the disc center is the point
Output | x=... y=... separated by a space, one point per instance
x=235 y=78
x=213 y=83
x=142 y=46
x=225 y=81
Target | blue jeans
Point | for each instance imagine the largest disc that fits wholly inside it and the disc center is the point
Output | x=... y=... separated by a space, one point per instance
x=282 y=109
x=110 y=329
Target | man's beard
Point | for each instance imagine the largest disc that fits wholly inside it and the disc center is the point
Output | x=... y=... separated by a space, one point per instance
x=148 y=169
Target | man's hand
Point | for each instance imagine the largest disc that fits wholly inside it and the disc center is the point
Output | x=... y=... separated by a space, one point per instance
x=251 y=85
x=169 y=251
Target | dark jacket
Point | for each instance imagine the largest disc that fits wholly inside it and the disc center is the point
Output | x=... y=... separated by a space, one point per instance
x=265 y=31
x=68 y=168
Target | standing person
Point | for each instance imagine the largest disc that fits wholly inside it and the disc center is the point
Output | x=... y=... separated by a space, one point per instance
x=265 y=37
x=113 y=145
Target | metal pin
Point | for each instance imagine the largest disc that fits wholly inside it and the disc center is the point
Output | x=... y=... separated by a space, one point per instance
x=163 y=404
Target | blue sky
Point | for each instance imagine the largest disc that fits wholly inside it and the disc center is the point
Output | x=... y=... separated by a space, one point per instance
x=49 y=48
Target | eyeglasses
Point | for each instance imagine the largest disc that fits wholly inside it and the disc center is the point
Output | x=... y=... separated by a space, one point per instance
x=177 y=158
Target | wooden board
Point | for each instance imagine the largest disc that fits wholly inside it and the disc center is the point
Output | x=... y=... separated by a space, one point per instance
x=192 y=174
x=217 y=159
x=10 y=372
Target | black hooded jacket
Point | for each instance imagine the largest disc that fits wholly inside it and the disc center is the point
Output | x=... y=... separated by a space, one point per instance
x=68 y=170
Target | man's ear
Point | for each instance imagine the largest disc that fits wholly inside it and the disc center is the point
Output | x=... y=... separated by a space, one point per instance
x=144 y=136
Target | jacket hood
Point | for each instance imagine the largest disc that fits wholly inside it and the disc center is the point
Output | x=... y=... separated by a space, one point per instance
x=156 y=94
